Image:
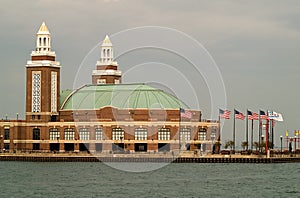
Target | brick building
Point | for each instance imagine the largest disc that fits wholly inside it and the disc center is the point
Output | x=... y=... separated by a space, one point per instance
x=105 y=116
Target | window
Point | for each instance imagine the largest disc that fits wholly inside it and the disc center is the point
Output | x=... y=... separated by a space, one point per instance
x=84 y=134
x=202 y=134
x=140 y=134
x=69 y=134
x=117 y=134
x=185 y=134
x=101 y=81
x=6 y=134
x=36 y=91
x=164 y=134
x=98 y=133
x=213 y=134
x=36 y=134
x=54 y=134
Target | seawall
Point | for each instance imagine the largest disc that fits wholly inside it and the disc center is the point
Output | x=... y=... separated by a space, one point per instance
x=31 y=158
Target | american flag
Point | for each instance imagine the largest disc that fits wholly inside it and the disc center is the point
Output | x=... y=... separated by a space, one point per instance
x=185 y=114
x=252 y=115
x=263 y=115
x=239 y=115
x=224 y=114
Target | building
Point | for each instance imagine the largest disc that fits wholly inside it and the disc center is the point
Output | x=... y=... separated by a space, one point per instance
x=105 y=116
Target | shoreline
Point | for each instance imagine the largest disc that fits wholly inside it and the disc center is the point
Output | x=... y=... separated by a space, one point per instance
x=151 y=158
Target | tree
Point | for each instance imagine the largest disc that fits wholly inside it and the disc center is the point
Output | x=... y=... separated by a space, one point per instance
x=244 y=145
x=230 y=144
x=255 y=145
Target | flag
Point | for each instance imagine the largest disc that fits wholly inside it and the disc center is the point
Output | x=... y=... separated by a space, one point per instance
x=263 y=115
x=239 y=115
x=252 y=115
x=287 y=133
x=275 y=116
x=224 y=114
x=185 y=114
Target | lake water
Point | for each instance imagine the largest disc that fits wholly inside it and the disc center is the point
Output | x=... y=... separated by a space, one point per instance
x=81 y=179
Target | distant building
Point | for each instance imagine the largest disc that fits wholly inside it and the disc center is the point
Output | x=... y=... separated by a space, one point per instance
x=105 y=116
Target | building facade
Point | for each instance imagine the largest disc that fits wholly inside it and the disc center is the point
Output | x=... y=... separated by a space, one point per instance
x=105 y=116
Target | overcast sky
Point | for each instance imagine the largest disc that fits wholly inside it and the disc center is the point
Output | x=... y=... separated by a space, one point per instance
x=255 y=45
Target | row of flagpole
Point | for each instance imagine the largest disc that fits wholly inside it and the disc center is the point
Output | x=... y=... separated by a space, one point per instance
x=271 y=115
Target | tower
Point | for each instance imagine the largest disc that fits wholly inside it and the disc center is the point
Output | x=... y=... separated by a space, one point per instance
x=106 y=69
x=42 y=80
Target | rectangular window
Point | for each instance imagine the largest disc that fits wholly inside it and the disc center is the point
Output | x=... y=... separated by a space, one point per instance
x=36 y=134
x=6 y=134
x=69 y=134
x=140 y=134
x=101 y=81
x=118 y=134
x=53 y=91
x=164 y=134
x=185 y=134
x=98 y=133
x=54 y=134
x=36 y=91
x=202 y=134
x=84 y=134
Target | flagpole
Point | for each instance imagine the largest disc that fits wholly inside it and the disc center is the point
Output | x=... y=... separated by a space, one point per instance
x=219 y=138
x=247 y=130
x=252 y=135
x=234 y=130
x=272 y=134
x=179 y=129
x=259 y=131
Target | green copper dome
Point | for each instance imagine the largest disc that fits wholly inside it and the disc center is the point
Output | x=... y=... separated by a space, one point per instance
x=126 y=96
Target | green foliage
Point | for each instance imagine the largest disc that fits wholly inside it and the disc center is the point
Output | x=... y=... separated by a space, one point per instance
x=229 y=144
x=244 y=145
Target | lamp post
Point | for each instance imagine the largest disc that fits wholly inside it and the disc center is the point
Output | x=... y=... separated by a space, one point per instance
x=295 y=144
x=281 y=144
x=262 y=140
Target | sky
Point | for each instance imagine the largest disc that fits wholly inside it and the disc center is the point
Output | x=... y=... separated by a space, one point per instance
x=254 y=45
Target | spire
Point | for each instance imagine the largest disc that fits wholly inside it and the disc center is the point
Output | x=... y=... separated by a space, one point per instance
x=43 y=40
x=106 y=41
x=43 y=29
x=107 y=53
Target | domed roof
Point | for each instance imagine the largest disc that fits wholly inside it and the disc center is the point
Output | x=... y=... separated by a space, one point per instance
x=126 y=96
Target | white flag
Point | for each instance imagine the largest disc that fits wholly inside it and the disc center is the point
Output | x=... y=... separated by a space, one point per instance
x=275 y=116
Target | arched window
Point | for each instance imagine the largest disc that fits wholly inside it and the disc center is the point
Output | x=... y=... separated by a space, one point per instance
x=69 y=133
x=140 y=134
x=104 y=53
x=108 y=53
x=98 y=133
x=202 y=134
x=45 y=41
x=118 y=134
x=54 y=134
x=40 y=41
x=185 y=134
x=84 y=134
x=35 y=134
x=164 y=134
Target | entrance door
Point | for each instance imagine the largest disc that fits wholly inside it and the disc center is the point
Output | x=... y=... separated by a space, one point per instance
x=54 y=147
x=69 y=147
x=140 y=147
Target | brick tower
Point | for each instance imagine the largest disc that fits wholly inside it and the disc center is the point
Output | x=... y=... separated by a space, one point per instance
x=42 y=80
x=107 y=70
